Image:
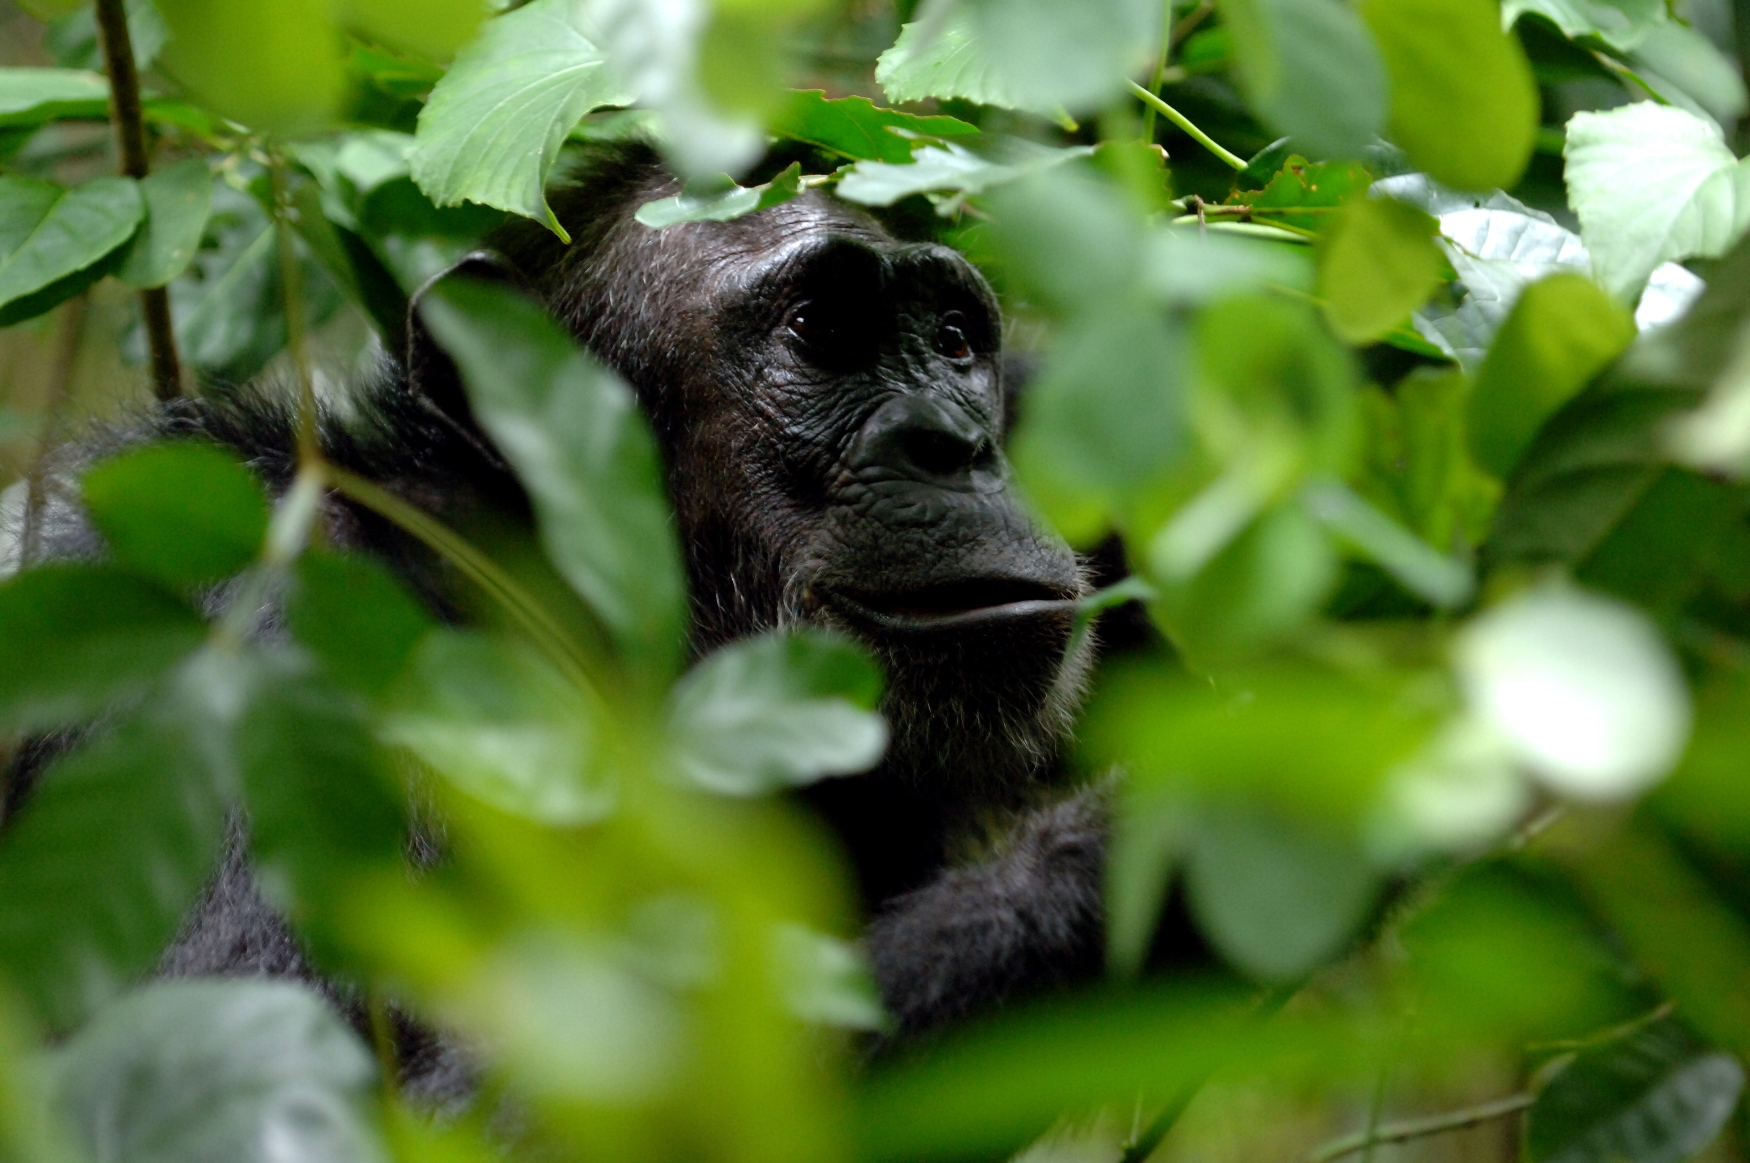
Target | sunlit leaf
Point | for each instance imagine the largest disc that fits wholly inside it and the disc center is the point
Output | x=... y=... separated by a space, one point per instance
x=1464 y=106
x=1619 y=23
x=777 y=711
x=1582 y=687
x=1377 y=263
x=177 y=199
x=186 y=514
x=1310 y=71
x=48 y=234
x=944 y=57
x=270 y=64
x=952 y=169
x=856 y=128
x=573 y=431
x=493 y=126
x=1650 y=183
x=721 y=205
x=246 y=1071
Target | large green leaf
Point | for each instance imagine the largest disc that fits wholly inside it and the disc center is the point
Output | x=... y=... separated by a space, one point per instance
x=76 y=639
x=857 y=128
x=33 y=96
x=777 y=711
x=245 y=1071
x=493 y=127
x=1619 y=23
x=184 y=513
x=275 y=65
x=1651 y=183
x=943 y=57
x=1656 y=1095
x=177 y=199
x=1464 y=106
x=1377 y=263
x=1310 y=71
x=572 y=430
x=352 y=614
x=48 y=233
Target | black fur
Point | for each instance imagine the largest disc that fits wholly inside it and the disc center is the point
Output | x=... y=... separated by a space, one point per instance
x=831 y=434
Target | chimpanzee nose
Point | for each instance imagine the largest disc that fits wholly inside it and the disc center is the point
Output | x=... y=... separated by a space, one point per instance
x=929 y=440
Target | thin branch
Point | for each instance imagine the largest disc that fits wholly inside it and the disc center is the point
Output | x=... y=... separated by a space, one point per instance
x=130 y=139
x=1185 y=123
x=292 y=288
x=1421 y=1128
x=1188 y=24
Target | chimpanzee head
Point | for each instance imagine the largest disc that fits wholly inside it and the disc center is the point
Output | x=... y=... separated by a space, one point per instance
x=829 y=403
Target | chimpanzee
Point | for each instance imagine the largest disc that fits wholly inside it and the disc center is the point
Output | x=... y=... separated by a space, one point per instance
x=829 y=402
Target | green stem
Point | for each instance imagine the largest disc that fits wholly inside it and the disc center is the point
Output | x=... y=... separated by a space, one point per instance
x=1185 y=123
x=1159 y=76
x=292 y=286
x=1421 y=1128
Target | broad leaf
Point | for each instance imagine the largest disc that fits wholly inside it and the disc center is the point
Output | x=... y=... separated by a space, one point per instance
x=942 y=56
x=204 y=1071
x=573 y=431
x=1277 y=899
x=48 y=233
x=1464 y=106
x=353 y=615
x=952 y=170
x=34 y=96
x=1656 y=1095
x=275 y=65
x=858 y=129
x=74 y=640
x=185 y=514
x=434 y=29
x=724 y=204
x=777 y=711
x=1651 y=183
x=1377 y=263
x=1069 y=55
x=493 y=126
x=494 y=719
x=176 y=200
x=1310 y=71
x=1619 y=23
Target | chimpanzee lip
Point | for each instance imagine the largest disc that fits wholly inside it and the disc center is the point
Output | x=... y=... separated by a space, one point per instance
x=954 y=604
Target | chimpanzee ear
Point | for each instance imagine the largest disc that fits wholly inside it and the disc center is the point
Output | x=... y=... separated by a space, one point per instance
x=432 y=376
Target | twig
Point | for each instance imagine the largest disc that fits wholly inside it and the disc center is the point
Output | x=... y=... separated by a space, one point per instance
x=292 y=287
x=1185 y=123
x=1188 y=23
x=1421 y=1128
x=130 y=139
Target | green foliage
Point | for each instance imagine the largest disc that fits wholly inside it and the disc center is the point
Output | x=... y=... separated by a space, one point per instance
x=1377 y=263
x=176 y=202
x=51 y=238
x=182 y=514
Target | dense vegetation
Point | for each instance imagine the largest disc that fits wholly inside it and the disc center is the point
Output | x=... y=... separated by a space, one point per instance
x=1431 y=492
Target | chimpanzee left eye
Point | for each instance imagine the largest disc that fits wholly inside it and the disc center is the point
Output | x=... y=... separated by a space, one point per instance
x=951 y=338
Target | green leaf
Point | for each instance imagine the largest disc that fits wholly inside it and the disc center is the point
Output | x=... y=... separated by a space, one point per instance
x=433 y=28
x=953 y=169
x=494 y=718
x=1656 y=1095
x=76 y=639
x=48 y=233
x=1316 y=186
x=353 y=615
x=1377 y=263
x=777 y=711
x=99 y=869
x=1618 y=23
x=177 y=200
x=1562 y=332
x=1682 y=66
x=1310 y=71
x=1276 y=898
x=826 y=980
x=857 y=128
x=1148 y=842
x=1416 y=565
x=573 y=431
x=493 y=127
x=722 y=205
x=274 y=65
x=943 y=57
x=185 y=514
x=247 y=1071
x=1464 y=106
x=1651 y=183
x=30 y=97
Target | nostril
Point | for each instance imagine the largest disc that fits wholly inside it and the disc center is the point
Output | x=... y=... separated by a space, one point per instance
x=939 y=453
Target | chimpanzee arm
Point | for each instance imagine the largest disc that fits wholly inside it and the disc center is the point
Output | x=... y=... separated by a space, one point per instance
x=1026 y=919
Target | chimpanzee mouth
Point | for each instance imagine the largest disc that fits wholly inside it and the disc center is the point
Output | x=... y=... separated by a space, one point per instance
x=950 y=605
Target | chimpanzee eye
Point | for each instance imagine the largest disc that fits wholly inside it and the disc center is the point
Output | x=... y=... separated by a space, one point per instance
x=800 y=321
x=951 y=338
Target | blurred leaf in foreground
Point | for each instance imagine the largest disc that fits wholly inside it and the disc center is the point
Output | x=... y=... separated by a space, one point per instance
x=1377 y=263
x=273 y=65
x=1310 y=71
x=185 y=514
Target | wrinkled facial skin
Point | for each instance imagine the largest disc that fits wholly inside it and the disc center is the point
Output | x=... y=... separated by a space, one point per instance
x=830 y=405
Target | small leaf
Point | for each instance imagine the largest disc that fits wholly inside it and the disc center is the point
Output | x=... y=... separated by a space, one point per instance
x=950 y=168
x=1377 y=263
x=1277 y=899
x=573 y=431
x=722 y=205
x=1562 y=332
x=48 y=233
x=245 y=1071
x=1582 y=687
x=780 y=710
x=75 y=640
x=1464 y=106
x=275 y=65
x=1309 y=70
x=30 y=97
x=493 y=127
x=856 y=128
x=353 y=615
x=1656 y=1095
x=185 y=514
x=498 y=722
x=177 y=200
x=1650 y=183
